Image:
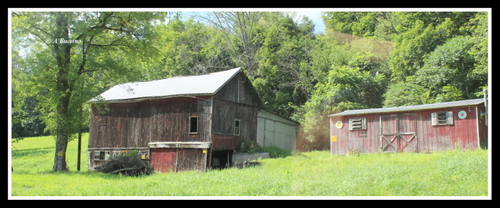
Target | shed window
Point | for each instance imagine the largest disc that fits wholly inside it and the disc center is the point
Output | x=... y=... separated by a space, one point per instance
x=193 y=125
x=442 y=118
x=357 y=124
x=237 y=127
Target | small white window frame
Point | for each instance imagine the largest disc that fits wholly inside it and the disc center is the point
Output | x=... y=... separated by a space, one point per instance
x=442 y=118
x=237 y=128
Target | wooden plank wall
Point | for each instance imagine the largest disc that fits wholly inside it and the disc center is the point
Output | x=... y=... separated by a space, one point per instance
x=235 y=101
x=137 y=124
x=227 y=112
x=462 y=134
x=173 y=160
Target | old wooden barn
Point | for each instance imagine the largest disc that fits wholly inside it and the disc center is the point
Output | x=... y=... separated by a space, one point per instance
x=420 y=128
x=178 y=123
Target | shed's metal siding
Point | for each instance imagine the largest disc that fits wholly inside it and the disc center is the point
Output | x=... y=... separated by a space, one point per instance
x=273 y=130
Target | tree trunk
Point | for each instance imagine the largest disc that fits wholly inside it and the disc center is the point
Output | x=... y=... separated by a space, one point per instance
x=63 y=52
x=60 y=155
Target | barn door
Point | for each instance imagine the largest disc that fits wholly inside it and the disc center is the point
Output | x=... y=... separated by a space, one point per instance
x=398 y=133
x=389 y=133
x=163 y=159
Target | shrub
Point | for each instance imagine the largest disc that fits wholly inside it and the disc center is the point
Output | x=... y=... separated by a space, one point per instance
x=247 y=146
x=276 y=152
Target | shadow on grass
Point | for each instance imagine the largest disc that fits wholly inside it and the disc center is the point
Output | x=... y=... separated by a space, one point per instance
x=31 y=152
x=88 y=173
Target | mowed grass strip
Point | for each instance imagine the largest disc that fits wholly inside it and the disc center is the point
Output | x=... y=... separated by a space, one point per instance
x=317 y=173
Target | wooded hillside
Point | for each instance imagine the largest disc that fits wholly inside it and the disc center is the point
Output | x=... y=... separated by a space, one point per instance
x=363 y=60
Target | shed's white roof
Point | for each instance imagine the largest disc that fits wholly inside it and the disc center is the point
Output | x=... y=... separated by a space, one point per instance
x=412 y=108
x=207 y=84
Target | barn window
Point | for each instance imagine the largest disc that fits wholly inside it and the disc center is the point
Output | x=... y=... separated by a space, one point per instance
x=357 y=124
x=101 y=155
x=237 y=127
x=442 y=118
x=193 y=125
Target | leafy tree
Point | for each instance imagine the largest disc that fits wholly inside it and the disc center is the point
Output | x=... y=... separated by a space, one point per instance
x=72 y=55
x=282 y=76
x=347 y=87
x=412 y=45
x=404 y=93
x=381 y=25
x=238 y=30
x=453 y=70
x=447 y=75
x=189 y=48
x=477 y=30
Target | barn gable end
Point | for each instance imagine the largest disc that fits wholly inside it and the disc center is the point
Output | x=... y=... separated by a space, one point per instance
x=179 y=123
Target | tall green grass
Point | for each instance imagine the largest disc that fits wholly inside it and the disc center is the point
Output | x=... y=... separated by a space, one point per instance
x=449 y=173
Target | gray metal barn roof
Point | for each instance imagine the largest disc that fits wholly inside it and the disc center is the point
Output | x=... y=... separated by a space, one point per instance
x=207 y=84
x=411 y=108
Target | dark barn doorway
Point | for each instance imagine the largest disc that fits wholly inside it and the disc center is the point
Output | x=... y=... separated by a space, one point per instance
x=221 y=159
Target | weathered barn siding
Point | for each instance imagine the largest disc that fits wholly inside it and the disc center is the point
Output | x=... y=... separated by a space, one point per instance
x=364 y=141
x=175 y=159
x=462 y=134
x=137 y=124
x=159 y=127
x=235 y=101
x=409 y=131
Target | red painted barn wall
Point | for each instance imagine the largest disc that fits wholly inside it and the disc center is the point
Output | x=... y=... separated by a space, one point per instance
x=174 y=159
x=461 y=134
x=362 y=141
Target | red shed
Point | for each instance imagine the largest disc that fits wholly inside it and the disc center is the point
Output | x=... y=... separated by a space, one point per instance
x=419 y=128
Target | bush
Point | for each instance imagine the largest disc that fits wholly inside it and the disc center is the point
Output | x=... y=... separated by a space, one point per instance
x=247 y=146
x=276 y=152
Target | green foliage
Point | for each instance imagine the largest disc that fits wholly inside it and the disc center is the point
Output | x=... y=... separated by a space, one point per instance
x=447 y=75
x=247 y=146
x=189 y=48
x=70 y=56
x=276 y=152
x=405 y=93
x=354 y=79
x=282 y=76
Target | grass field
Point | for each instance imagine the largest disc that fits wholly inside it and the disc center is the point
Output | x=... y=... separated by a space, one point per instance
x=449 y=173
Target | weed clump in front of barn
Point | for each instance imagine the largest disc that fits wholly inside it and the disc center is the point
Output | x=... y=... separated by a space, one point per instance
x=125 y=165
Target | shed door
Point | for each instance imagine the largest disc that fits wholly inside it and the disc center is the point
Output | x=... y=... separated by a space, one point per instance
x=399 y=133
x=163 y=159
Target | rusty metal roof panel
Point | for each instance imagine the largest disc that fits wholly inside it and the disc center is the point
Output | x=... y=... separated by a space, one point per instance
x=207 y=84
x=412 y=108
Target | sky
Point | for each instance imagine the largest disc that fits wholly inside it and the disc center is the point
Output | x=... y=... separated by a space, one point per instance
x=314 y=15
